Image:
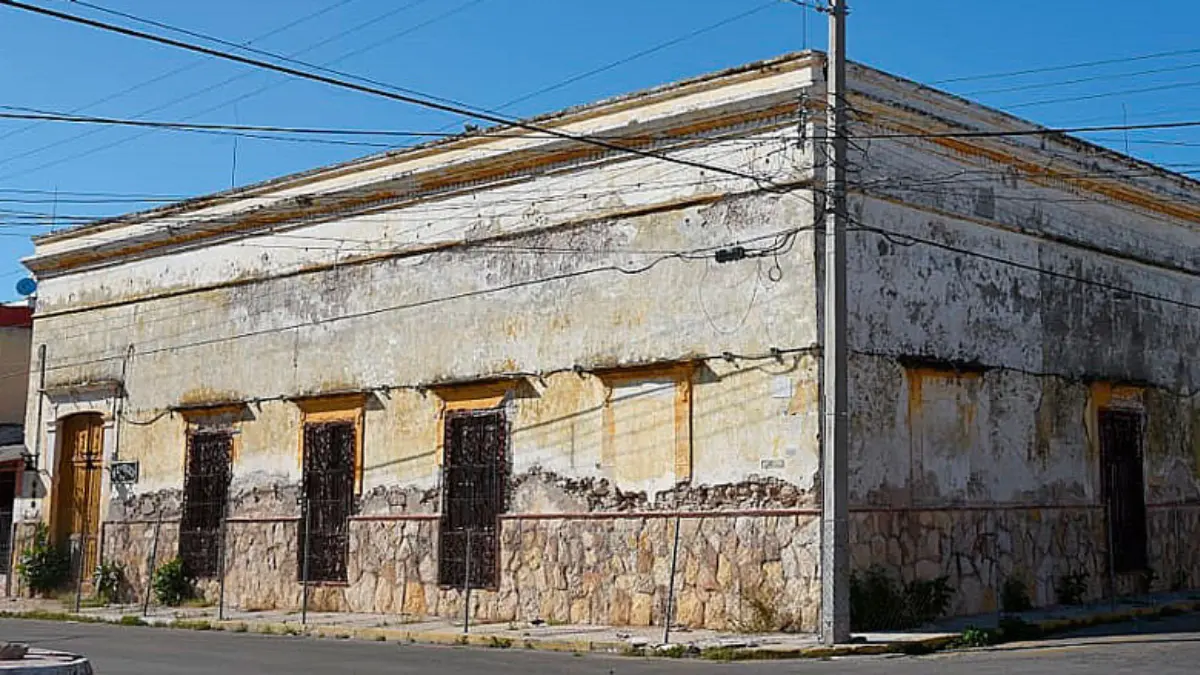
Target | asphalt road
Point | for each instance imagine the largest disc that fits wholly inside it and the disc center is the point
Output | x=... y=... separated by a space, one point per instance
x=1167 y=647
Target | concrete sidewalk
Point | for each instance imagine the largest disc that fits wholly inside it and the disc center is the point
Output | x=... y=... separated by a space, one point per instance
x=592 y=638
x=516 y=635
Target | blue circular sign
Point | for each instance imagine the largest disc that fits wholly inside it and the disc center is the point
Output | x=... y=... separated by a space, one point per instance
x=26 y=286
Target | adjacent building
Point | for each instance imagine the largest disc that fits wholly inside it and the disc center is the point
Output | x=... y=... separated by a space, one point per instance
x=16 y=330
x=530 y=364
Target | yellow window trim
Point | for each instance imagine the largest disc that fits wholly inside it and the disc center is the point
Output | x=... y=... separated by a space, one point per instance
x=334 y=408
x=485 y=395
x=1103 y=395
x=683 y=375
x=202 y=418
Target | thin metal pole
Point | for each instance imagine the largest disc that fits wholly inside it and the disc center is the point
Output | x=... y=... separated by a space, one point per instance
x=835 y=518
x=41 y=393
x=12 y=552
x=153 y=562
x=37 y=447
x=304 y=563
x=1108 y=517
x=671 y=586
x=222 y=558
x=467 y=588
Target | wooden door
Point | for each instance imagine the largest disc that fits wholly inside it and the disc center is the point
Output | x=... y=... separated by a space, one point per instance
x=76 y=513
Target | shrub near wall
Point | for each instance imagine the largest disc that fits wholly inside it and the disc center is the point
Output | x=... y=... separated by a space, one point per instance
x=43 y=567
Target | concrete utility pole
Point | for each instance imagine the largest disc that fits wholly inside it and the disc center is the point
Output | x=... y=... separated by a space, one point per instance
x=835 y=520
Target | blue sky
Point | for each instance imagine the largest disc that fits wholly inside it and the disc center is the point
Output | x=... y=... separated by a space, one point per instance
x=488 y=52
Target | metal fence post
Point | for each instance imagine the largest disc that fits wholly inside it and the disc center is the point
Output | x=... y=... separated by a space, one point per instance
x=1110 y=536
x=153 y=562
x=467 y=588
x=11 y=555
x=671 y=586
x=222 y=556
x=304 y=563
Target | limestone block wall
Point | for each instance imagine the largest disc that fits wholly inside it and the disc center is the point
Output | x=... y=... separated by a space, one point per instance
x=985 y=474
x=607 y=568
x=980 y=549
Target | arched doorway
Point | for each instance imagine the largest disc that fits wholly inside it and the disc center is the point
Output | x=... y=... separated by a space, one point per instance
x=76 y=516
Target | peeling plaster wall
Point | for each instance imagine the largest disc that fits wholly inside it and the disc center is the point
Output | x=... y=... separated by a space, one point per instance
x=975 y=383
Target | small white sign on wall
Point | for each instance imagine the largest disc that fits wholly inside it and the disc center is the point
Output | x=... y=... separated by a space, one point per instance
x=781 y=387
x=772 y=464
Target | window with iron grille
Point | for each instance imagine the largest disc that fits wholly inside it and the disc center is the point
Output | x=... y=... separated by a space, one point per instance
x=205 y=490
x=1123 y=488
x=474 y=474
x=328 y=499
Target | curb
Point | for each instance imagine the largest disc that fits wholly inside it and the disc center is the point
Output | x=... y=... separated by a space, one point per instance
x=1050 y=626
x=1041 y=629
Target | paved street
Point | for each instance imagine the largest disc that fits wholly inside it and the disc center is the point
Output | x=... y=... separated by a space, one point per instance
x=1163 y=648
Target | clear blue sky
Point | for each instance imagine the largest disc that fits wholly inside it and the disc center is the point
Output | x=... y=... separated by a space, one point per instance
x=488 y=52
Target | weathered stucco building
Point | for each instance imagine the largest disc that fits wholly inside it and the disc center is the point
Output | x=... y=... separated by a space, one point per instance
x=533 y=357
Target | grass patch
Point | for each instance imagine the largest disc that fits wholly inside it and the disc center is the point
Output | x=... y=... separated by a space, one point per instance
x=1014 y=595
x=43 y=615
x=130 y=620
x=198 y=603
x=881 y=601
x=975 y=637
x=241 y=628
x=742 y=654
x=497 y=642
x=671 y=652
x=380 y=638
x=186 y=624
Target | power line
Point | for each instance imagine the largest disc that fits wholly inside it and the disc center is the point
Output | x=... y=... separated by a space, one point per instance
x=190 y=66
x=643 y=53
x=1107 y=94
x=52 y=116
x=166 y=221
x=889 y=234
x=55 y=116
x=169 y=310
x=1042 y=131
x=1069 y=66
x=411 y=98
x=264 y=53
x=683 y=255
x=84 y=193
x=1093 y=78
x=375 y=20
